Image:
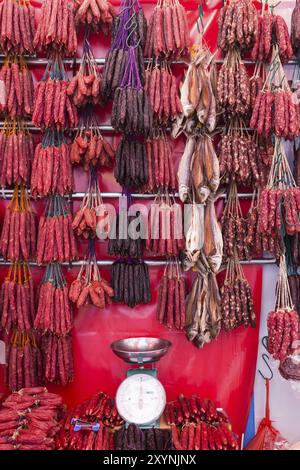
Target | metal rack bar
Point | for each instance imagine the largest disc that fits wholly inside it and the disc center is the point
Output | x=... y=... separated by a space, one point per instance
x=78 y=195
x=153 y=263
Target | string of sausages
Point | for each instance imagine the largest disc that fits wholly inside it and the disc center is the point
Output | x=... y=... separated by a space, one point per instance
x=51 y=167
x=161 y=171
x=130 y=281
x=30 y=419
x=171 y=298
x=18 y=90
x=135 y=438
x=131 y=167
x=96 y=14
x=18 y=236
x=56 y=241
x=17 y=21
x=16 y=153
x=126 y=236
x=56 y=27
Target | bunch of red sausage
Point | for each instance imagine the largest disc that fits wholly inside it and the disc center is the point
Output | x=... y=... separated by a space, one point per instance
x=283 y=333
x=19 y=88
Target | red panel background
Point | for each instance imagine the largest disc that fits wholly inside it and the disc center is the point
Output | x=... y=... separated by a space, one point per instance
x=223 y=370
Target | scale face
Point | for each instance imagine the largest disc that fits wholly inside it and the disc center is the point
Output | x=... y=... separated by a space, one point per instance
x=141 y=399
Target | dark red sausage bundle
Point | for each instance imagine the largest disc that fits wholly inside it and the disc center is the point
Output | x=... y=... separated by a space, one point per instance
x=276 y=112
x=130 y=282
x=234 y=227
x=57 y=359
x=294 y=284
x=131 y=112
x=129 y=29
x=122 y=241
x=165 y=230
x=168 y=30
x=203 y=436
x=92 y=218
x=87 y=440
x=272 y=31
x=89 y=287
x=16 y=154
x=17 y=299
x=171 y=298
x=279 y=208
x=23 y=359
x=85 y=86
x=237 y=25
x=54 y=312
x=283 y=333
x=283 y=321
x=240 y=158
x=51 y=167
x=257 y=242
x=295 y=249
x=32 y=417
x=161 y=171
x=56 y=241
x=56 y=27
x=233 y=88
x=236 y=298
x=17 y=21
x=193 y=409
x=295 y=29
x=52 y=106
x=89 y=148
x=18 y=86
x=135 y=438
x=18 y=236
x=161 y=87
x=131 y=167
x=96 y=14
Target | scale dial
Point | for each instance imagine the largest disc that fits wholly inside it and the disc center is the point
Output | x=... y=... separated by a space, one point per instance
x=141 y=399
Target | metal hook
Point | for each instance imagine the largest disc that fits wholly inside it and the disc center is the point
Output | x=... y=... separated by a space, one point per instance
x=266 y=358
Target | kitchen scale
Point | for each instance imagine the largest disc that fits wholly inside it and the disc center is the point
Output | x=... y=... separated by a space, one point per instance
x=141 y=398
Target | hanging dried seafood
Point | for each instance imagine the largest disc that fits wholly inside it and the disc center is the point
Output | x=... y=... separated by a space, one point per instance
x=18 y=237
x=234 y=227
x=203 y=307
x=52 y=105
x=17 y=299
x=256 y=242
x=89 y=147
x=130 y=282
x=131 y=167
x=16 y=153
x=198 y=171
x=283 y=322
x=165 y=227
x=275 y=110
x=279 y=203
x=236 y=298
x=128 y=33
x=85 y=86
x=17 y=21
x=168 y=31
x=127 y=234
x=233 y=87
x=237 y=25
x=162 y=91
x=96 y=14
x=18 y=87
x=91 y=219
x=56 y=241
x=56 y=27
x=51 y=167
x=198 y=95
x=161 y=172
x=271 y=31
x=171 y=297
x=295 y=29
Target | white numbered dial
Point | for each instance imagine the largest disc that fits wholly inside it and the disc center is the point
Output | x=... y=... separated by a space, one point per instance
x=141 y=399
